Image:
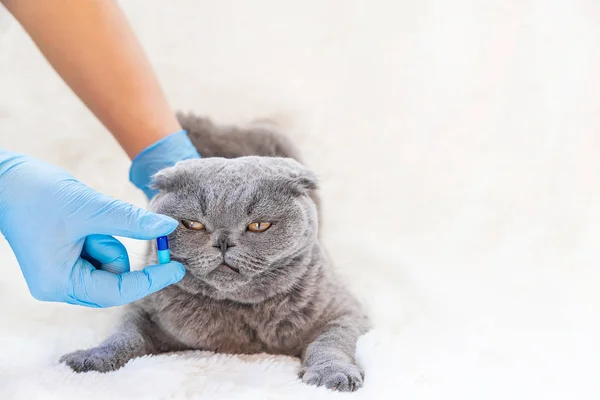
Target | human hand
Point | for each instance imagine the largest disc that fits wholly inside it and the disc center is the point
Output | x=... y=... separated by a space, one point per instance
x=162 y=154
x=61 y=233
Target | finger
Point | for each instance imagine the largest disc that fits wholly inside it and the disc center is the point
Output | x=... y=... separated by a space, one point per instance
x=106 y=253
x=138 y=284
x=114 y=217
x=97 y=288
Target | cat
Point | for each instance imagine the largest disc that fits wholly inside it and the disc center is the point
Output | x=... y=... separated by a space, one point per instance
x=257 y=279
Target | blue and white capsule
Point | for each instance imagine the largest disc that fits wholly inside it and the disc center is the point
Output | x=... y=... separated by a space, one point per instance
x=162 y=246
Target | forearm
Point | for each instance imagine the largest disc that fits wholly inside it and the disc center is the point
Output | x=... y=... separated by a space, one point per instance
x=91 y=45
x=335 y=342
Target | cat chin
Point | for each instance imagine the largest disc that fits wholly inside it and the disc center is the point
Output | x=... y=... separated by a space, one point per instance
x=227 y=286
x=243 y=293
x=216 y=285
x=239 y=287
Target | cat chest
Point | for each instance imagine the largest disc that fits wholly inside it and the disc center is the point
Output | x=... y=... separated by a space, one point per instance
x=233 y=330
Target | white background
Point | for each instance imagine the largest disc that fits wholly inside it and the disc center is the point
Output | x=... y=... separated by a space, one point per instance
x=458 y=147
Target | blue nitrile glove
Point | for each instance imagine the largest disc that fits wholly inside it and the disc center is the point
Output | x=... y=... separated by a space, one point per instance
x=60 y=231
x=162 y=154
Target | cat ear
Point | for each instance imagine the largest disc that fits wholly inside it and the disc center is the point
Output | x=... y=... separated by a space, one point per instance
x=168 y=179
x=304 y=183
x=298 y=179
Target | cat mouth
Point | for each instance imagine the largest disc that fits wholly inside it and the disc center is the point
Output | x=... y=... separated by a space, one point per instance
x=228 y=268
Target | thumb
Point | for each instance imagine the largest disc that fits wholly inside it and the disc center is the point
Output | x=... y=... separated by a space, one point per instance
x=99 y=288
x=138 y=284
x=115 y=217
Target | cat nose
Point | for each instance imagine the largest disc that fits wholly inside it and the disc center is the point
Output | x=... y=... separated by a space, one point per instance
x=223 y=243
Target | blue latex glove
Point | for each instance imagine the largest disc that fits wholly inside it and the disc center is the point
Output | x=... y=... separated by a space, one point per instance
x=60 y=231
x=162 y=154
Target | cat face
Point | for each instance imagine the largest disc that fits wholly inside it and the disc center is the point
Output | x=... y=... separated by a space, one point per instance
x=240 y=219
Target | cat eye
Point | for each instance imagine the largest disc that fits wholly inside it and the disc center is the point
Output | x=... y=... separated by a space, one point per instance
x=259 y=226
x=193 y=225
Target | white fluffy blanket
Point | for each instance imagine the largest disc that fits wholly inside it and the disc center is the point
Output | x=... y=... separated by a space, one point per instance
x=457 y=142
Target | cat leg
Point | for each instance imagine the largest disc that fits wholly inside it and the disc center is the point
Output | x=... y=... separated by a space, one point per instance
x=134 y=338
x=329 y=359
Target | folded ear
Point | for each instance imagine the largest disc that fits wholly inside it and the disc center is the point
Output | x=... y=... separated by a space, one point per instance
x=169 y=179
x=304 y=183
x=298 y=179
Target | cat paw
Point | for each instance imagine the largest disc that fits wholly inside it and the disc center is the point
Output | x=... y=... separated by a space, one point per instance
x=335 y=375
x=96 y=359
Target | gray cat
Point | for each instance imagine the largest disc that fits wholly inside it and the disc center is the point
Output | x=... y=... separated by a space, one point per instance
x=257 y=280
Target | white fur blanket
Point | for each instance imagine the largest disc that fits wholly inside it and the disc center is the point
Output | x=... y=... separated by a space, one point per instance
x=457 y=143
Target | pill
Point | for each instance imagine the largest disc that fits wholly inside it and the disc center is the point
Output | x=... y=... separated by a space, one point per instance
x=162 y=246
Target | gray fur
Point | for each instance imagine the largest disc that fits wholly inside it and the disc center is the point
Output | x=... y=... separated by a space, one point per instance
x=257 y=139
x=284 y=297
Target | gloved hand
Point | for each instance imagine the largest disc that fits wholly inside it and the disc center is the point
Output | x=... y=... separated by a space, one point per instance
x=60 y=231
x=162 y=154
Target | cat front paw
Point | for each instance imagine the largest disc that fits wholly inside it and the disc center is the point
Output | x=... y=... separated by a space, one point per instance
x=97 y=359
x=335 y=375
